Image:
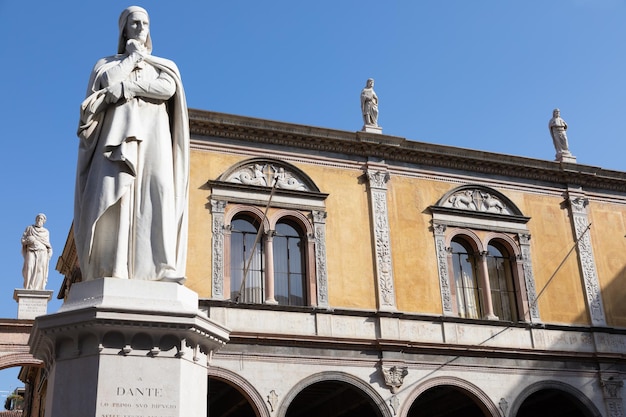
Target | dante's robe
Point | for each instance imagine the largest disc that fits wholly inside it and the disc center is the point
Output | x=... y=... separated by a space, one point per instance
x=130 y=215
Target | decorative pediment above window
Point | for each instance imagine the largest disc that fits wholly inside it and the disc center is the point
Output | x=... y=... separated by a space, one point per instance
x=251 y=182
x=478 y=206
x=268 y=173
x=478 y=199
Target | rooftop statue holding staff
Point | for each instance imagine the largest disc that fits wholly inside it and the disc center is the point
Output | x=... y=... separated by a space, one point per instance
x=130 y=214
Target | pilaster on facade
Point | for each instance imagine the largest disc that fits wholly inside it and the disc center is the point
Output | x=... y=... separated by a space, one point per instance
x=378 y=176
x=578 y=203
x=321 y=274
x=443 y=268
x=218 y=208
x=529 y=278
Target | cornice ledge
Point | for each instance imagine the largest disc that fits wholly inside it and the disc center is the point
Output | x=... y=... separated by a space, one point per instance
x=391 y=148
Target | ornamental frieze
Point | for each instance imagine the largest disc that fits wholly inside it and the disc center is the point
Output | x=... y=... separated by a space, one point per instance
x=267 y=175
x=475 y=199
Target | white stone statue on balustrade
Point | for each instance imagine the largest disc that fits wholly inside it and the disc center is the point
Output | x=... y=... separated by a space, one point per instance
x=37 y=251
x=369 y=105
x=558 y=129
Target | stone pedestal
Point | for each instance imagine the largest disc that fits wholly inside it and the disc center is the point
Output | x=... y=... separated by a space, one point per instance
x=31 y=303
x=127 y=348
x=566 y=158
x=372 y=129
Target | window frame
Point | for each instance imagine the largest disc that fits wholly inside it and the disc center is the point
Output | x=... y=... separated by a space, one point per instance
x=304 y=207
x=482 y=215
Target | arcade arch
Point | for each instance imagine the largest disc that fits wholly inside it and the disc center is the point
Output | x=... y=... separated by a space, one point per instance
x=553 y=399
x=333 y=394
x=449 y=397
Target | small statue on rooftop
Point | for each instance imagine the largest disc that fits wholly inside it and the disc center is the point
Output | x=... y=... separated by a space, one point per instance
x=37 y=252
x=369 y=104
x=557 y=128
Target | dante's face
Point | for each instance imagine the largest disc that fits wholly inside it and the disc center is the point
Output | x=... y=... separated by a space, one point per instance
x=137 y=27
x=39 y=221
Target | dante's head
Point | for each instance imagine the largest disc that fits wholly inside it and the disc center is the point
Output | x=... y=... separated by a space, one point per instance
x=134 y=24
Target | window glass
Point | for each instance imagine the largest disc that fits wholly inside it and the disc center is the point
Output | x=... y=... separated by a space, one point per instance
x=466 y=285
x=289 y=276
x=246 y=258
x=501 y=282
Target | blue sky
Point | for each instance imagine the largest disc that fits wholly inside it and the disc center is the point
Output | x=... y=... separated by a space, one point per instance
x=482 y=74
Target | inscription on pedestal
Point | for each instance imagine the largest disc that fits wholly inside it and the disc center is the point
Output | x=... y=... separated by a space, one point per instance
x=31 y=303
x=145 y=401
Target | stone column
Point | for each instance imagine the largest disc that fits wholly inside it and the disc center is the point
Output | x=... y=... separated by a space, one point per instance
x=582 y=230
x=483 y=270
x=127 y=347
x=269 y=267
x=378 y=179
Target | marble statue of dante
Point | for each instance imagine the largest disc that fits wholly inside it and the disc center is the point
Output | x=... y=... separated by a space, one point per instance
x=369 y=104
x=37 y=252
x=557 y=128
x=132 y=181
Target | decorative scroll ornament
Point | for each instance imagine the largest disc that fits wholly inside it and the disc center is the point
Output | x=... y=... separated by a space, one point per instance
x=394 y=377
x=267 y=175
x=477 y=200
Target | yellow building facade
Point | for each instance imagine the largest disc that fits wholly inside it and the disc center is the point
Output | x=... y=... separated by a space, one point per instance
x=365 y=274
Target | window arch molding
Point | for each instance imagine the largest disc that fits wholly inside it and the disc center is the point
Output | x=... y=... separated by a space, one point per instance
x=510 y=244
x=481 y=216
x=467 y=235
x=251 y=211
x=293 y=215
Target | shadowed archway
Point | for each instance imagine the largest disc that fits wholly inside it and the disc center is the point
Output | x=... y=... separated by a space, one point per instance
x=332 y=399
x=446 y=401
x=553 y=403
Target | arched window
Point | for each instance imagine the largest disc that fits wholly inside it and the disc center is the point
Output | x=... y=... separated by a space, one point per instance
x=246 y=258
x=500 y=273
x=289 y=265
x=484 y=256
x=465 y=280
